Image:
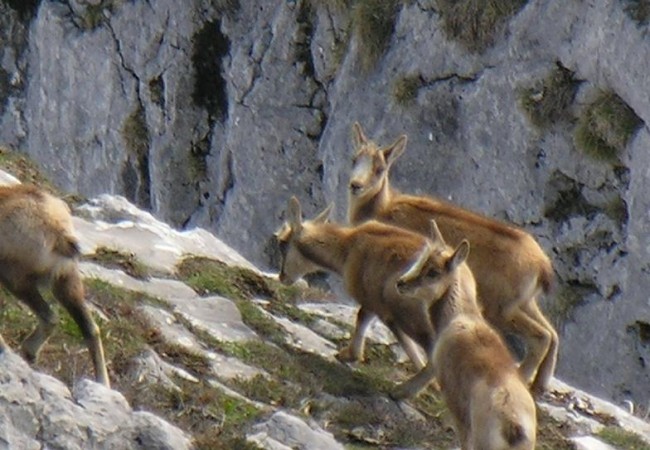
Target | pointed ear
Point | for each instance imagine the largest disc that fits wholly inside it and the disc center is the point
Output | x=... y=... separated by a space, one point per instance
x=459 y=256
x=294 y=214
x=435 y=234
x=358 y=136
x=417 y=266
x=394 y=151
x=324 y=216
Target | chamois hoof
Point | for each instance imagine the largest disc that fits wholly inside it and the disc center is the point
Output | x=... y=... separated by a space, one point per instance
x=346 y=355
x=401 y=392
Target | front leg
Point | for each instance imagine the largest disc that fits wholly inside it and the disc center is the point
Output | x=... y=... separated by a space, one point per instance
x=354 y=351
x=420 y=380
x=408 y=345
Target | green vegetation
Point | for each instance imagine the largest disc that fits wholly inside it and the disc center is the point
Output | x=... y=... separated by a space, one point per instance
x=476 y=23
x=623 y=439
x=25 y=169
x=605 y=127
x=374 y=23
x=94 y=15
x=549 y=100
x=405 y=89
x=116 y=259
x=570 y=295
x=638 y=10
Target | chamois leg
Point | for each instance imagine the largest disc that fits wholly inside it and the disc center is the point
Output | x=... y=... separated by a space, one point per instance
x=354 y=351
x=419 y=381
x=47 y=319
x=408 y=345
x=540 y=339
x=546 y=368
x=69 y=290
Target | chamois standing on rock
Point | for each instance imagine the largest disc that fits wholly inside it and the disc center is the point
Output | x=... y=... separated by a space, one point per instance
x=509 y=266
x=491 y=405
x=38 y=246
x=369 y=257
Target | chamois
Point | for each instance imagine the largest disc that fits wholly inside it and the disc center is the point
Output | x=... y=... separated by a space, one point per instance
x=509 y=266
x=491 y=405
x=37 y=247
x=369 y=258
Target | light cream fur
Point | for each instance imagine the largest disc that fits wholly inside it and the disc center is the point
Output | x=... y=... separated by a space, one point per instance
x=369 y=258
x=37 y=246
x=509 y=266
x=491 y=405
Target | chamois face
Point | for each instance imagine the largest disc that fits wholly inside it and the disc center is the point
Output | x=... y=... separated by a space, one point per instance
x=371 y=164
x=432 y=273
x=294 y=265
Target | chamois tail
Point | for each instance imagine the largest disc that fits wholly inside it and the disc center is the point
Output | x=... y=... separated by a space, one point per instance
x=66 y=245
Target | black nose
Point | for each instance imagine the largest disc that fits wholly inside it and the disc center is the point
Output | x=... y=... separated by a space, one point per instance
x=401 y=283
x=355 y=187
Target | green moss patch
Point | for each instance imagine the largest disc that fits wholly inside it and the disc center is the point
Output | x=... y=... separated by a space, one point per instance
x=405 y=89
x=117 y=259
x=374 y=24
x=620 y=438
x=476 y=23
x=605 y=127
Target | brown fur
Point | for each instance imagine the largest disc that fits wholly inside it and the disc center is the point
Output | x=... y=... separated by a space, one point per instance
x=509 y=266
x=490 y=403
x=369 y=258
x=37 y=247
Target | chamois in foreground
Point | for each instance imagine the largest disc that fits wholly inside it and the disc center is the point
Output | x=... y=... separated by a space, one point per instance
x=38 y=246
x=509 y=266
x=369 y=258
x=491 y=405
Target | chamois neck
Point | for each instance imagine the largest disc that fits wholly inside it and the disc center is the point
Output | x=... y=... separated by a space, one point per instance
x=458 y=300
x=326 y=246
x=368 y=208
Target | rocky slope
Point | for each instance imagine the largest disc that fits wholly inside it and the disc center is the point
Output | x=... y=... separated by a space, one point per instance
x=214 y=112
x=206 y=351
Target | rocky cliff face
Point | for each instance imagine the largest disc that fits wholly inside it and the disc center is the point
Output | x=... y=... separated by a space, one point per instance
x=215 y=112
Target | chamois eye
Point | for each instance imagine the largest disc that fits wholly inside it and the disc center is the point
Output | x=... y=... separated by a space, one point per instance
x=283 y=246
x=432 y=273
x=378 y=170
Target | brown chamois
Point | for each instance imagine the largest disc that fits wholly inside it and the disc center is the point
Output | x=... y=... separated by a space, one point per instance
x=369 y=258
x=37 y=247
x=491 y=406
x=509 y=266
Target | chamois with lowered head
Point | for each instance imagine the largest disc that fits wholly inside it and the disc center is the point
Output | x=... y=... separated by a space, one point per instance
x=489 y=401
x=509 y=266
x=38 y=246
x=369 y=258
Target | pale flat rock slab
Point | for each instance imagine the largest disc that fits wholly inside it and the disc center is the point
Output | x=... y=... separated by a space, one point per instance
x=171 y=330
x=285 y=431
x=347 y=314
x=229 y=368
x=161 y=288
x=215 y=315
x=626 y=420
x=117 y=224
x=590 y=443
x=150 y=367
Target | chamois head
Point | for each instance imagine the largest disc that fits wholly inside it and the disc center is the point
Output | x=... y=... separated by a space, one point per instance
x=430 y=275
x=371 y=163
x=294 y=264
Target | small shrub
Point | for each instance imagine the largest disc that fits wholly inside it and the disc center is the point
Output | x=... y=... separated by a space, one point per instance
x=571 y=295
x=476 y=23
x=374 y=23
x=638 y=10
x=549 y=102
x=405 y=89
x=605 y=127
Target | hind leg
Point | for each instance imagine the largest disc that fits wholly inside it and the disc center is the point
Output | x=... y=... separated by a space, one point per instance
x=541 y=345
x=69 y=290
x=29 y=295
x=355 y=350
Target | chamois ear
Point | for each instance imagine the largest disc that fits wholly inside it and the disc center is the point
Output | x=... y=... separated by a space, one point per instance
x=324 y=216
x=294 y=214
x=392 y=152
x=459 y=256
x=435 y=234
x=358 y=136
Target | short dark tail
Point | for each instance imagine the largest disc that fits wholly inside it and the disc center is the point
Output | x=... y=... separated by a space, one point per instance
x=67 y=245
x=513 y=433
x=547 y=279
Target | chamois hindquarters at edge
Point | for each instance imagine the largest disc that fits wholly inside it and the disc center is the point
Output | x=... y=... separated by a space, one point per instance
x=491 y=406
x=509 y=266
x=38 y=247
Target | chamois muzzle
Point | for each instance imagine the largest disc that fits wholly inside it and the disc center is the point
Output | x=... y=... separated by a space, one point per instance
x=355 y=187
